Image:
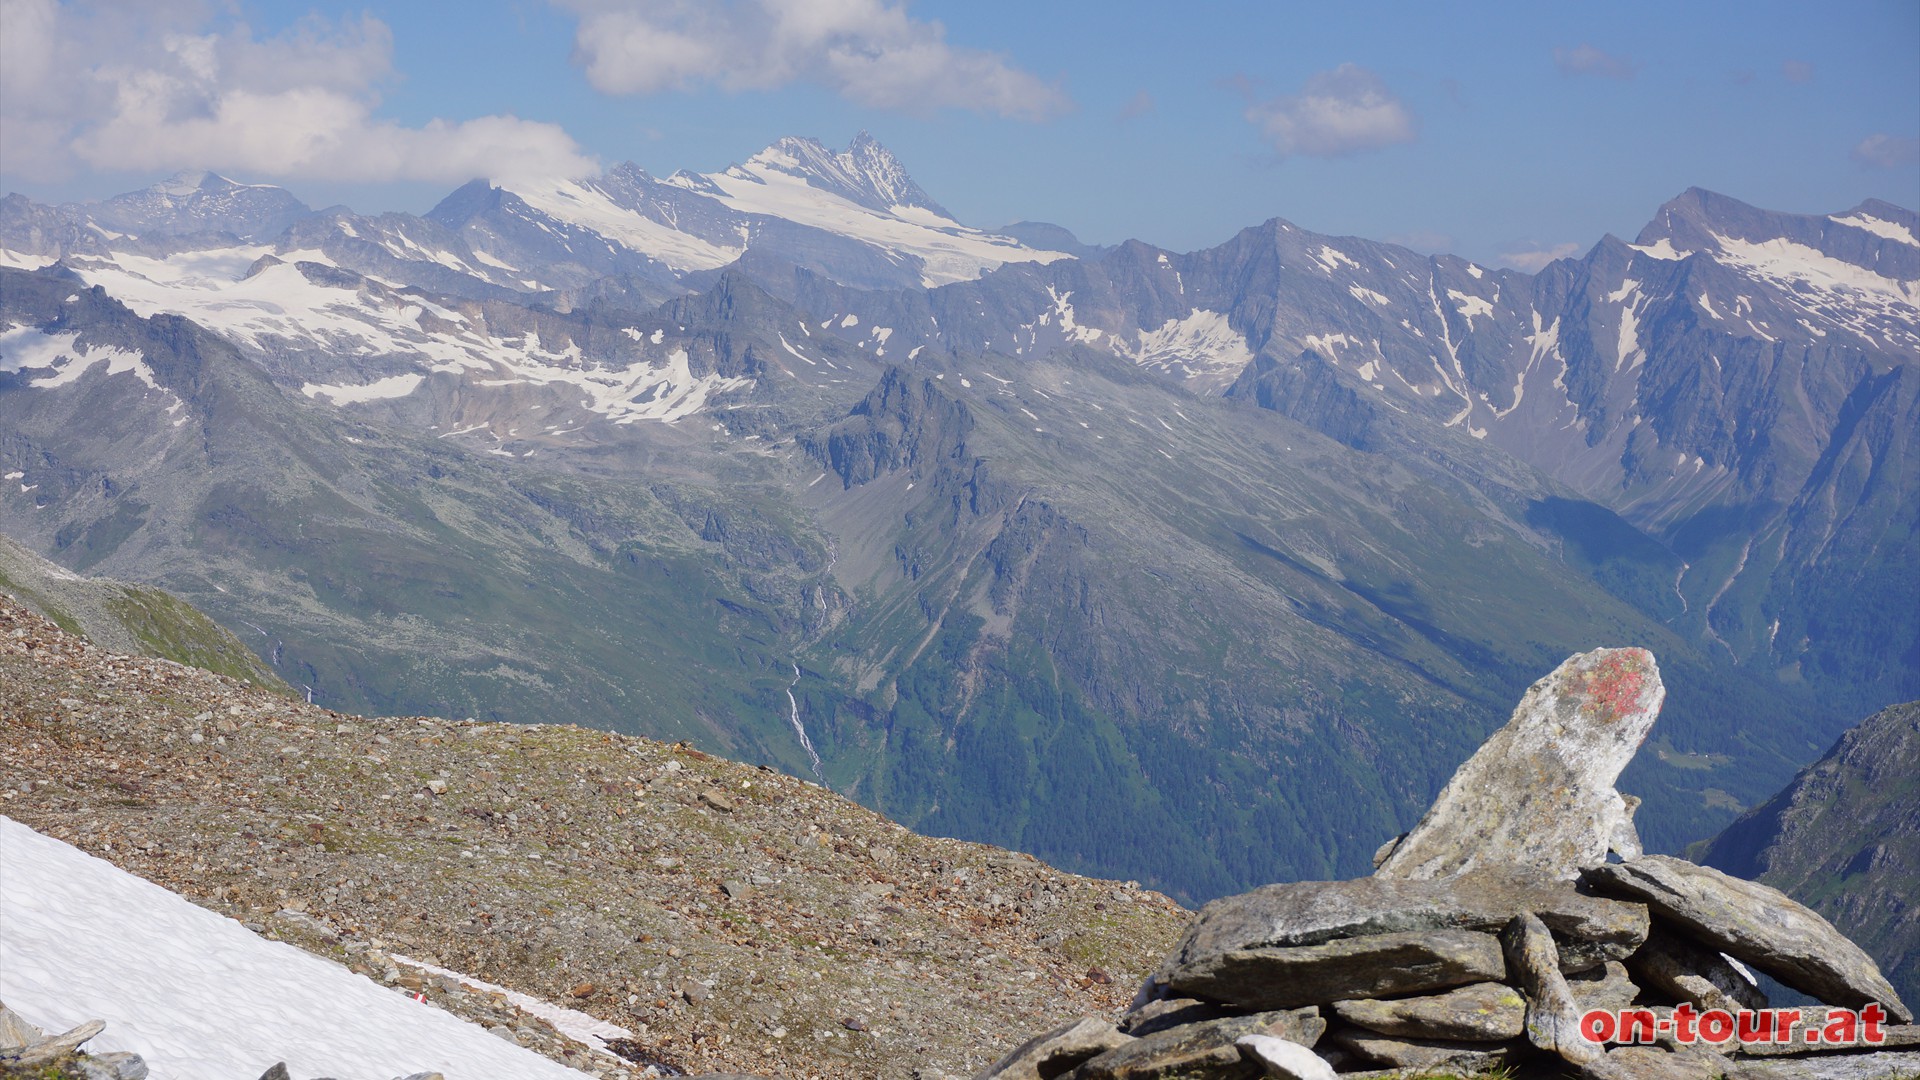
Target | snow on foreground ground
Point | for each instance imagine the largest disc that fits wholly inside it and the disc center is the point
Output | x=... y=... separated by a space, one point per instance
x=201 y=997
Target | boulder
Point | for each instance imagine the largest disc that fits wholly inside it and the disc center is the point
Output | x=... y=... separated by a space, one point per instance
x=1164 y=1013
x=1757 y=925
x=1553 y=1019
x=115 y=1065
x=1363 y=967
x=1057 y=1052
x=1684 y=970
x=1539 y=792
x=1591 y=929
x=1482 y=1012
x=1208 y=1048
x=15 y=1032
x=1606 y=987
x=1283 y=1059
x=1428 y=1054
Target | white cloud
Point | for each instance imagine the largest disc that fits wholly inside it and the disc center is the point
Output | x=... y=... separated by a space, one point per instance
x=1534 y=259
x=867 y=51
x=1796 y=71
x=160 y=86
x=1137 y=106
x=1883 y=151
x=1338 y=112
x=1584 y=59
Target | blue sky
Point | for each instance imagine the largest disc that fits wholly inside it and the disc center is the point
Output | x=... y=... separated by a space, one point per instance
x=1499 y=131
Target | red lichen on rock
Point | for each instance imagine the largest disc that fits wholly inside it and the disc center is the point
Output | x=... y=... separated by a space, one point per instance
x=1615 y=683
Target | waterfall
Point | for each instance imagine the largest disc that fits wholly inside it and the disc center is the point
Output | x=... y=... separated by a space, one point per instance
x=798 y=729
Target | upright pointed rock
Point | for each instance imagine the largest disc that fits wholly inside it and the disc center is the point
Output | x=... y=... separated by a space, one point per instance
x=1539 y=793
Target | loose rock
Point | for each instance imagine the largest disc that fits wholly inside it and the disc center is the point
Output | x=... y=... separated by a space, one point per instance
x=1758 y=925
x=1058 y=1051
x=1553 y=1020
x=1482 y=1012
x=1428 y=1054
x=1592 y=929
x=1205 y=1049
x=1687 y=971
x=1364 y=967
x=1280 y=1058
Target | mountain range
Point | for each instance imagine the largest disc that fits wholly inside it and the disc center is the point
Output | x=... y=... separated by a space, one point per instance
x=1084 y=551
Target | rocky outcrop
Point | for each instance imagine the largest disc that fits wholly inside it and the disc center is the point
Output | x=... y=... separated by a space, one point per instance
x=1540 y=792
x=1492 y=930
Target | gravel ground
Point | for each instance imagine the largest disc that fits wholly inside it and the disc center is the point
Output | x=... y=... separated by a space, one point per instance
x=730 y=918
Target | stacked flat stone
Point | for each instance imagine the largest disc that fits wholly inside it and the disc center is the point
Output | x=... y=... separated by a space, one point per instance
x=1486 y=933
x=27 y=1051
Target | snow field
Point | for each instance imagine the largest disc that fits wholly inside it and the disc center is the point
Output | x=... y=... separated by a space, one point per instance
x=201 y=997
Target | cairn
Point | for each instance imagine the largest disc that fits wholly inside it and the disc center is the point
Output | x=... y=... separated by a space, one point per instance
x=27 y=1051
x=1488 y=934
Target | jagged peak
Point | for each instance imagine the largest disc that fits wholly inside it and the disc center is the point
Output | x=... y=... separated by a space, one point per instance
x=865 y=172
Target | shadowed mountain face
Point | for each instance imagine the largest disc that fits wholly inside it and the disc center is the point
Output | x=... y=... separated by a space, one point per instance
x=1844 y=838
x=1203 y=569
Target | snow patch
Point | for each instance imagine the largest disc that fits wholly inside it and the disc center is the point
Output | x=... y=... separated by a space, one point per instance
x=20 y=260
x=1469 y=306
x=1830 y=290
x=785 y=345
x=1661 y=249
x=1203 y=347
x=86 y=940
x=1324 y=343
x=1331 y=260
x=1627 y=288
x=574 y=1024
x=948 y=251
x=483 y=257
x=581 y=204
x=1880 y=227
x=393 y=386
x=24 y=348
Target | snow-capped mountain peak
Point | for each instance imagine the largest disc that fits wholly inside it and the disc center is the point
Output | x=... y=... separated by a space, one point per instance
x=198 y=202
x=855 y=214
x=865 y=172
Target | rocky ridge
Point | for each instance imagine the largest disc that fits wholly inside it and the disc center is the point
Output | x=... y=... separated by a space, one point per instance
x=727 y=918
x=1489 y=934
